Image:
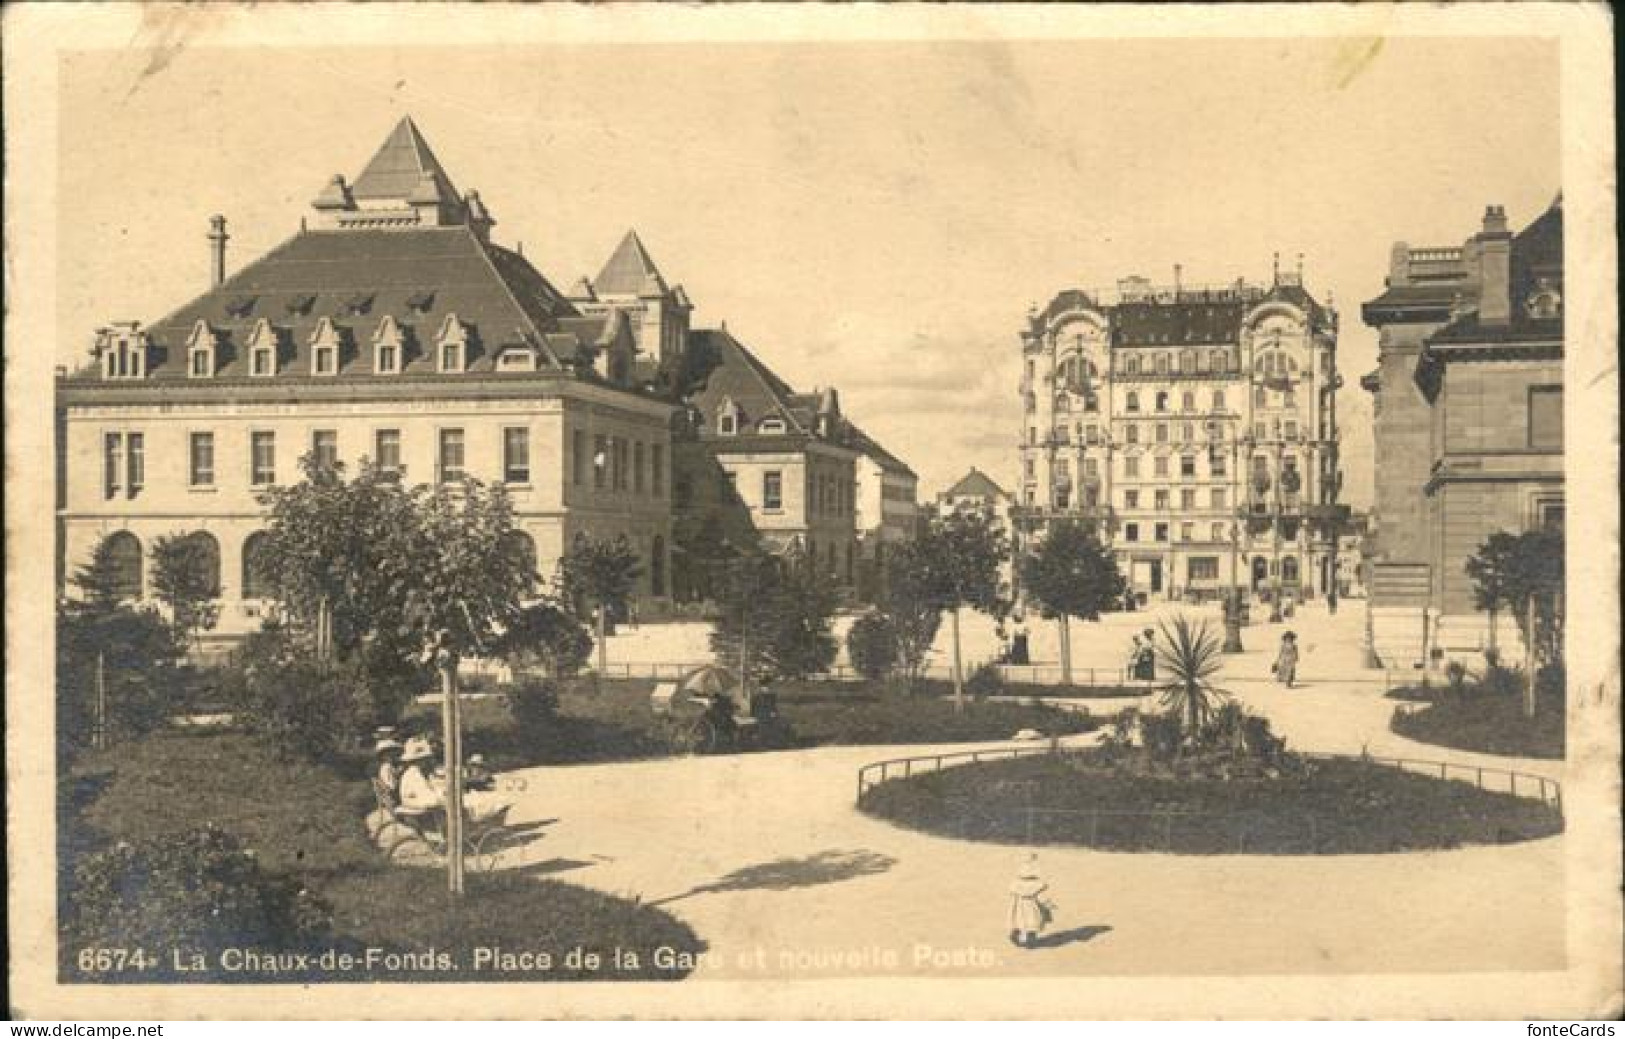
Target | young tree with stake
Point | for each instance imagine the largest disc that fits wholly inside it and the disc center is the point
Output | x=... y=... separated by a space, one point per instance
x=599 y=573
x=1072 y=575
x=957 y=565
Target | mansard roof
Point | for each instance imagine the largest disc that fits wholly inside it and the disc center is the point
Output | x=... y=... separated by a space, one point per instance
x=1176 y=324
x=355 y=278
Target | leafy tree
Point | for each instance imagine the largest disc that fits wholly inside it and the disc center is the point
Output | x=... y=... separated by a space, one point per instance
x=1524 y=573
x=332 y=556
x=546 y=634
x=600 y=574
x=1072 y=575
x=871 y=643
x=912 y=612
x=956 y=564
x=775 y=618
x=1191 y=656
x=186 y=578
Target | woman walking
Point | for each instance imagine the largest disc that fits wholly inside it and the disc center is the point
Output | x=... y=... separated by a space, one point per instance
x=1286 y=661
x=1030 y=911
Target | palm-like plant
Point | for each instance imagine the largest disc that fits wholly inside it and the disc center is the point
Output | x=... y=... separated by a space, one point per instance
x=1190 y=655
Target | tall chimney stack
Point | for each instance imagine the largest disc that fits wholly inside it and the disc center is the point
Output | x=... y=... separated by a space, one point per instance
x=217 y=248
x=1495 y=271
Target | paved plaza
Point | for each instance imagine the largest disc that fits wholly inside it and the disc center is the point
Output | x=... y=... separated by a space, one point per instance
x=769 y=860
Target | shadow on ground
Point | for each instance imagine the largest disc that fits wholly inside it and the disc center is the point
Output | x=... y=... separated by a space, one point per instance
x=826 y=867
x=1057 y=939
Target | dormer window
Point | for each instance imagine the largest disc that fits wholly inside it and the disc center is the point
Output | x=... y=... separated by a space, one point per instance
x=262 y=350
x=200 y=352
x=422 y=302
x=240 y=306
x=325 y=344
x=359 y=303
x=728 y=419
x=301 y=305
x=770 y=425
x=1545 y=305
x=123 y=353
x=517 y=359
x=388 y=348
x=452 y=346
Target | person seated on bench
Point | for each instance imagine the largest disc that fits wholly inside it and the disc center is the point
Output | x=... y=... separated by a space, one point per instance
x=387 y=767
x=420 y=799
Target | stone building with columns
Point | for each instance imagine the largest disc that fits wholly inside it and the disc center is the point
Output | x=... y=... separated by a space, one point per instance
x=1468 y=395
x=1194 y=427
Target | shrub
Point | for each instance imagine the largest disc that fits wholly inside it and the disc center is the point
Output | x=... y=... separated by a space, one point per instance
x=546 y=636
x=199 y=890
x=1499 y=680
x=297 y=706
x=1455 y=672
x=1234 y=730
x=1162 y=733
x=139 y=655
x=872 y=645
x=533 y=708
x=984 y=682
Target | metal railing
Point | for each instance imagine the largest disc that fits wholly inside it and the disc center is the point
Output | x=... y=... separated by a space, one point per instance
x=1487 y=778
x=1031 y=674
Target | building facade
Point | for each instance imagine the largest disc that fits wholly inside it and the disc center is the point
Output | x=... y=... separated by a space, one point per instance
x=392 y=328
x=1469 y=426
x=1196 y=428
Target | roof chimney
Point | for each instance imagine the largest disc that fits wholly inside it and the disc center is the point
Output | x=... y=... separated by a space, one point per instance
x=217 y=248
x=1495 y=268
x=1178 y=270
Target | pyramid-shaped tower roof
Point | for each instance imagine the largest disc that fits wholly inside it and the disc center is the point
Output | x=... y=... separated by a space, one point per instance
x=404 y=168
x=629 y=271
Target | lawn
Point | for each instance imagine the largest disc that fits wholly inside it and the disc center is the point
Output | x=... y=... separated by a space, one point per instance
x=1334 y=807
x=1477 y=720
x=305 y=821
x=614 y=721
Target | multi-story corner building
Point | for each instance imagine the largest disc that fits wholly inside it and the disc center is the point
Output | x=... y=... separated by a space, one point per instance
x=1469 y=425
x=392 y=327
x=1195 y=427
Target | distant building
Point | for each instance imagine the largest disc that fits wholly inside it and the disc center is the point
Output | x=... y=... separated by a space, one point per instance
x=976 y=492
x=1195 y=428
x=887 y=507
x=1469 y=425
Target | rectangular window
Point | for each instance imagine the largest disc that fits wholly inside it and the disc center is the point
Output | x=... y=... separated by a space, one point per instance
x=200 y=464
x=772 y=490
x=262 y=458
x=135 y=464
x=657 y=469
x=324 y=444
x=1161 y=464
x=1187 y=499
x=1218 y=497
x=1203 y=568
x=1131 y=532
x=112 y=463
x=324 y=361
x=1187 y=532
x=1131 y=466
x=1091 y=467
x=1218 y=400
x=1162 y=433
x=578 y=457
x=387 y=451
x=1162 y=532
x=451 y=457
x=637 y=467
x=1162 y=499
x=618 y=458
x=262 y=362
x=515 y=454
x=1187 y=465
x=386 y=359
x=600 y=461
x=1131 y=499
x=1546 y=418
x=1292 y=429
x=1260 y=431
x=1216 y=464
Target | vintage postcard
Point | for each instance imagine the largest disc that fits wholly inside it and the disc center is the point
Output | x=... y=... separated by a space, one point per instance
x=763 y=511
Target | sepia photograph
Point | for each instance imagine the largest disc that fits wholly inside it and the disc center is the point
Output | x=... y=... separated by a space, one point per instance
x=761 y=512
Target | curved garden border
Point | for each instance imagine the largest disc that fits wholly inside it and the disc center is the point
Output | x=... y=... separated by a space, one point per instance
x=1200 y=831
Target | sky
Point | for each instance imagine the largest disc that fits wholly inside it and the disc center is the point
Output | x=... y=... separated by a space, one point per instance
x=877 y=216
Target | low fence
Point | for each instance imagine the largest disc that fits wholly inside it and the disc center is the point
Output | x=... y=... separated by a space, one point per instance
x=1489 y=778
x=1022 y=674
